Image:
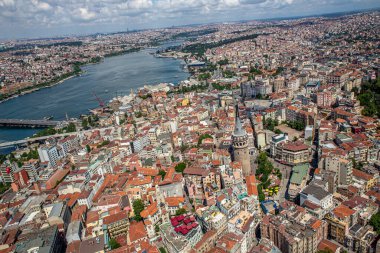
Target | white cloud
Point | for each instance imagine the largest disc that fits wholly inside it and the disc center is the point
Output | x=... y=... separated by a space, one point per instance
x=43 y=6
x=85 y=14
x=230 y=2
x=153 y=13
x=4 y=3
x=140 y=4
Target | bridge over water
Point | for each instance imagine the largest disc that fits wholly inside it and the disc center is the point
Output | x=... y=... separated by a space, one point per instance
x=28 y=123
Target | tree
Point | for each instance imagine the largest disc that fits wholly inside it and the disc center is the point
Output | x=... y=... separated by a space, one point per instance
x=369 y=97
x=255 y=71
x=138 y=207
x=4 y=187
x=88 y=148
x=202 y=137
x=71 y=128
x=277 y=131
x=264 y=169
x=3 y=158
x=218 y=86
x=104 y=143
x=33 y=154
x=156 y=228
x=114 y=244
x=89 y=120
x=375 y=222
x=261 y=194
x=183 y=147
x=180 y=167
x=145 y=96
x=297 y=125
x=270 y=124
x=138 y=114
x=278 y=71
x=162 y=173
x=180 y=211
x=223 y=62
x=46 y=132
x=85 y=124
x=204 y=76
x=162 y=250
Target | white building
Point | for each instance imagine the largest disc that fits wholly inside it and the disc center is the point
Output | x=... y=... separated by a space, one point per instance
x=317 y=196
x=49 y=154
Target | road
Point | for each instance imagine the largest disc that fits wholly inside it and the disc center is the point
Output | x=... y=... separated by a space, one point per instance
x=188 y=204
x=29 y=140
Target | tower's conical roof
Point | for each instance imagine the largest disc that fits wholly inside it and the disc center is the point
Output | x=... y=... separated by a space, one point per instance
x=239 y=129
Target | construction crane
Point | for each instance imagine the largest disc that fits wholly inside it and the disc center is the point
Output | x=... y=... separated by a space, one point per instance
x=100 y=101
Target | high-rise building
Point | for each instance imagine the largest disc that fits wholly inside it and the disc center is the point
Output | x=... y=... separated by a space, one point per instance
x=240 y=145
x=48 y=153
x=324 y=98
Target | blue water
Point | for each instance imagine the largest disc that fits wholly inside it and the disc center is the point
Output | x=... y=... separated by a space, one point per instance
x=75 y=96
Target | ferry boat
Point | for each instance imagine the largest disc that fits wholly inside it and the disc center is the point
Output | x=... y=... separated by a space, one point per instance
x=48 y=118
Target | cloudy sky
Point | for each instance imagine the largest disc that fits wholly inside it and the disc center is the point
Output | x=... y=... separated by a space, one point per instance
x=39 y=18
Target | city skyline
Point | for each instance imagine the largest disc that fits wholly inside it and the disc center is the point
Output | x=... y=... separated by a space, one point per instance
x=249 y=136
x=36 y=19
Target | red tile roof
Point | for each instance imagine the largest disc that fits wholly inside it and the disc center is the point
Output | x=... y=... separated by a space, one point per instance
x=361 y=174
x=150 y=210
x=115 y=217
x=174 y=201
x=295 y=146
x=138 y=231
x=251 y=185
x=343 y=211
x=329 y=245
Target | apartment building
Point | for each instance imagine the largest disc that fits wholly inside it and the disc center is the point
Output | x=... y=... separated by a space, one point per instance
x=116 y=224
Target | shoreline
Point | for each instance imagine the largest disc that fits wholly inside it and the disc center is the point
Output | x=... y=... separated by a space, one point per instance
x=72 y=74
x=142 y=50
x=38 y=88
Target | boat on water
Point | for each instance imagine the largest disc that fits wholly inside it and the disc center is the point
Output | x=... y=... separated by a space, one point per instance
x=48 y=118
x=159 y=56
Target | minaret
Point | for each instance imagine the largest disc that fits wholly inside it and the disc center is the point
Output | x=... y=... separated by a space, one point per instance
x=240 y=145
